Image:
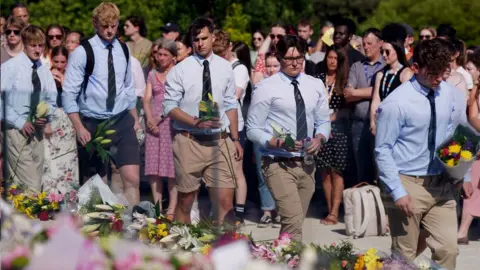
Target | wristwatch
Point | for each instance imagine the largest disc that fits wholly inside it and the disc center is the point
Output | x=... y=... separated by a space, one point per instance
x=235 y=140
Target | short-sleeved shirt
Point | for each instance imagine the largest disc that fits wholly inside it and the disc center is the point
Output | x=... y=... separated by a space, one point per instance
x=242 y=79
x=4 y=56
x=362 y=75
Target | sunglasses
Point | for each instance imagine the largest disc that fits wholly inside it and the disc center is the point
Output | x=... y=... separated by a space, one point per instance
x=298 y=59
x=387 y=52
x=425 y=37
x=9 y=31
x=58 y=37
x=272 y=36
x=259 y=38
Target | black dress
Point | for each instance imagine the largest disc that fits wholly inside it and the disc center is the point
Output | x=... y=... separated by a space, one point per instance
x=389 y=82
x=334 y=154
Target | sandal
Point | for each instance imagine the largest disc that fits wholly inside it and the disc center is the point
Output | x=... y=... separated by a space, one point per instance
x=329 y=220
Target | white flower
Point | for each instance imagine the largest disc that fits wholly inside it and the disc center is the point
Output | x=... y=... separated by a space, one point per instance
x=424 y=265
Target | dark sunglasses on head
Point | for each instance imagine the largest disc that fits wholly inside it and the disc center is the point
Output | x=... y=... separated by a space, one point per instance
x=425 y=37
x=272 y=36
x=59 y=37
x=9 y=31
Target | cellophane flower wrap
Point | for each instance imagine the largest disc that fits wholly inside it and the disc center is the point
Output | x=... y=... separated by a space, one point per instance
x=458 y=152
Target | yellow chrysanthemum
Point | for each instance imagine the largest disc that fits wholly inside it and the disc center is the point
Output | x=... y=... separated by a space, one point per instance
x=454 y=149
x=42 y=196
x=359 y=264
x=451 y=162
x=28 y=212
x=54 y=205
x=162 y=226
x=466 y=155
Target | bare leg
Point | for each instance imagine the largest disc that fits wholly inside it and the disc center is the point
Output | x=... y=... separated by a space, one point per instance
x=184 y=206
x=131 y=183
x=241 y=190
x=222 y=202
x=156 y=185
x=327 y=188
x=172 y=191
x=337 y=192
x=465 y=224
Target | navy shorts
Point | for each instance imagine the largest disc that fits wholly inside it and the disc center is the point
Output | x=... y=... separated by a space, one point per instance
x=124 y=147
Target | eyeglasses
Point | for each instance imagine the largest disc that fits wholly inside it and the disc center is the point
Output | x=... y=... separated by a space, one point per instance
x=298 y=59
x=422 y=37
x=259 y=38
x=272 y=36
x=9 y=31
x=387 y=52
x=58 y=37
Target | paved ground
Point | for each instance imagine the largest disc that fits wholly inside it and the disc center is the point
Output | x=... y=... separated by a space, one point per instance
x=314 y=232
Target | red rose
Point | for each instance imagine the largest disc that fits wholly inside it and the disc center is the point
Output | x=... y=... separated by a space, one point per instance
x=118 y=225
x=158 y=222
x=454 y=143
x=43 y=216
x=344 y=263
x=445 y=152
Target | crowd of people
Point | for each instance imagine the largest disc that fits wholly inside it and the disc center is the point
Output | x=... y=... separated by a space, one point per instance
x=186 y=106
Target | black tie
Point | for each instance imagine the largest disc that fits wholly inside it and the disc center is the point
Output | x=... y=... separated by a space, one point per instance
x=112 y=87
x=37 y=86
x=432 y=129
x=301 y=117
x=207 y=82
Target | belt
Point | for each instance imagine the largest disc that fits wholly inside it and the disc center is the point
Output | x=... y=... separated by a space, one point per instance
x=204 y=137
x=284 y=159
x=113 y=118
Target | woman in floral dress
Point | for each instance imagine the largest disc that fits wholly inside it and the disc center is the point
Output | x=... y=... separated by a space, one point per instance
x=158 y=145
x=60 y=170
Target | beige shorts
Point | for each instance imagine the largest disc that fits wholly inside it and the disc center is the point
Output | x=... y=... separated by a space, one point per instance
x=195 y=160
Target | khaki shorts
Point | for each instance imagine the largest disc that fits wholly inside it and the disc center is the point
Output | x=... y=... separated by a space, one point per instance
x=195 y=160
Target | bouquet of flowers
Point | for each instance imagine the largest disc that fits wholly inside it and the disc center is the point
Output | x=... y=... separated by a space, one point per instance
x=282 y=250
x=280 y=133
x=368 y=261
x=457 y=153
x=335 y=256
x=103 y=219
x=37 y=206
x=208 y=109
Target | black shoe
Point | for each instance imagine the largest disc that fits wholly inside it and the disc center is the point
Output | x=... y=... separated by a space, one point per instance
x=277 y=222
x=265 y=221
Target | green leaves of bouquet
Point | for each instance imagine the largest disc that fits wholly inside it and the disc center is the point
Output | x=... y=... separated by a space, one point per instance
x=208 y=109
x=100 y=140
x=281 y=134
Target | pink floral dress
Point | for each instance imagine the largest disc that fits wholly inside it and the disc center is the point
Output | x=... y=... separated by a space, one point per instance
x=158 y=150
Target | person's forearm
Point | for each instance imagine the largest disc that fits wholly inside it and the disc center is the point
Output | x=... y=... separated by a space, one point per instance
x=233 y=118
x=473 y=116
x=75 y=119
x=178 y=115
x=364 y=93
x=147 y=110
x=133 y=113
x=265 y=46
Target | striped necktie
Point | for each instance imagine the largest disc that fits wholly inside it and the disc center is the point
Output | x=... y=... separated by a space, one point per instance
x=37 y=87
x=301 y=117
x=432 y=129
x=112 y=86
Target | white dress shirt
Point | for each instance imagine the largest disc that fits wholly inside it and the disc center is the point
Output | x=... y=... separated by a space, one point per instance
x=138 y=77
x=242 y=78
x=273 y=101
x=184 y=88
x=467 y=76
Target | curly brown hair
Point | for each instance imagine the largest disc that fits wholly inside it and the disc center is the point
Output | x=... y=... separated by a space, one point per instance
x=221 y=43
x=434 y=55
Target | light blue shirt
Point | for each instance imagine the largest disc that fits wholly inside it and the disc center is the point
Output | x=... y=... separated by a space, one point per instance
x=273 y=101
x=184 y=89
x=403 y=120
x=16 y=82
x=95 y=104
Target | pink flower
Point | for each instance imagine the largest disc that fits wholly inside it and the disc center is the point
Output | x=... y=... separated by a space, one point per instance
x=55 y=197
x=19 y=251
x=293 y=262
x=73 y=196
x=285 y=236
x=334 y=244
x=132 y=261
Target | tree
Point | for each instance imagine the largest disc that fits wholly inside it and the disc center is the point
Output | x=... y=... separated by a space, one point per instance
x=461 y=14
x=236 y=24
x=358 y=10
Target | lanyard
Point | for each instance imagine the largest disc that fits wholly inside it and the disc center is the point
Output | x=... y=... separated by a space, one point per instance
x=365 y=68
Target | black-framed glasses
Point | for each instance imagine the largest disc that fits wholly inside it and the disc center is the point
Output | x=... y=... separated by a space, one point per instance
x=58 y=37
x=272 y=36
x=422 y=37
x=298 y=59
x=9 y=31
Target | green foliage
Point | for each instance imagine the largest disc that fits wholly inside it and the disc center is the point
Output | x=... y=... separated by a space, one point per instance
x=461 y=14
x=236 y=24
x=332 y=257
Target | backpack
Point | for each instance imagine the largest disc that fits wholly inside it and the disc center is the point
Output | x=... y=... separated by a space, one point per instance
x=248 y=91
x=364 y=211
x=91 y=62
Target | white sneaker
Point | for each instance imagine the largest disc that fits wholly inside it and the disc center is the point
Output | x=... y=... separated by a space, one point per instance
x=195 y=214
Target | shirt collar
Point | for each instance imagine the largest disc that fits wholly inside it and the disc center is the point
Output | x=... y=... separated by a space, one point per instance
x=289 y=79
x=200 y=59
x=38 y=63
x=422 y=89
x=379 y=62
x=104 y=43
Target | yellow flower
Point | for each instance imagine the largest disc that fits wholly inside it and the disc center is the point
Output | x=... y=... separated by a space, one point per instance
x=162 y=226
x=54 y=205
x=28 y=212
x=454 y=149
x=466 y=155
x=206 y=249
x=360 y=263
x=451 y=162
x=42 y=196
